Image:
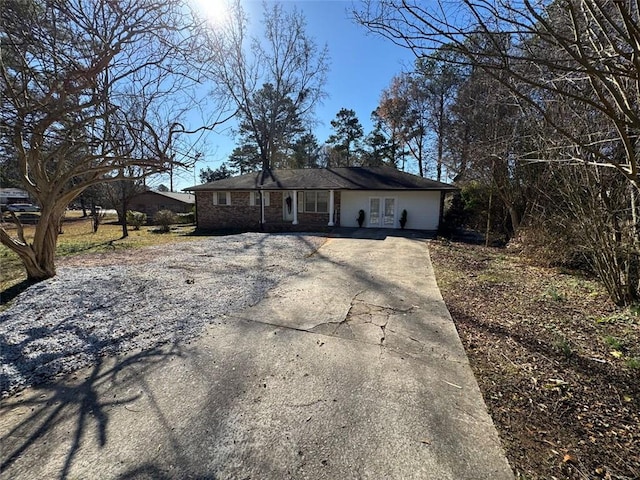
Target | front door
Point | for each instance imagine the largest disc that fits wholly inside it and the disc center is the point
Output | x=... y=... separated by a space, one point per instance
x=287 y=206
x=389 y=213
x=382 y=212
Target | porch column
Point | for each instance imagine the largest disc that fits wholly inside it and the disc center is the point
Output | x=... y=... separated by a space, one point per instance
x=331 y=207
x=295 y=207
x=261 y=207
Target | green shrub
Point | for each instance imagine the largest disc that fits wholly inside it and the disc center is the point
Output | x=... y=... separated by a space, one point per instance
x=186 y=218
x=136 y=219
x=164 y=219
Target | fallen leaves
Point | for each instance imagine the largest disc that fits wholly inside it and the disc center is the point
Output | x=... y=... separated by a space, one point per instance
x=564 y=403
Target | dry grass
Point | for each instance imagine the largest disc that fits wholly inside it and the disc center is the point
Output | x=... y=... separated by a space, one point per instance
x=78 y=237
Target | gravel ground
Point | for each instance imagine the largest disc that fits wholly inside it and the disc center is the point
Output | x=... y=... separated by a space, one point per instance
x=69 y=321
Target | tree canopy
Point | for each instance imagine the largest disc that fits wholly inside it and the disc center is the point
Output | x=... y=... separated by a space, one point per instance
x=88 y=90
x=274 y=80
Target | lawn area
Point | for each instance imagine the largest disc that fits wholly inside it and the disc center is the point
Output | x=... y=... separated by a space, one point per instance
x=558 y=364
x=78 y=237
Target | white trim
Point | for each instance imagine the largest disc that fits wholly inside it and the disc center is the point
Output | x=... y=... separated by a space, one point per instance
x=295 y=208
x=227 y=195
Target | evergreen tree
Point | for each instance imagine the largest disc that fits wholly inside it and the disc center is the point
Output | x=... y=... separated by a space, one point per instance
x=348 y=133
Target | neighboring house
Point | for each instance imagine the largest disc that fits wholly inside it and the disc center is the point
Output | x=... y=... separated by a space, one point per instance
x=318 y=198
x=151 y=202
x=12 y=195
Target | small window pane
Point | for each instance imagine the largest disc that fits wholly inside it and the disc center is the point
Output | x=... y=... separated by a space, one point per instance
x=222 y=198
x=389 y=211
x=309 y=201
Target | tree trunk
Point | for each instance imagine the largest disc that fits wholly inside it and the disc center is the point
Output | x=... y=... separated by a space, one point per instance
x=123 y=217
x=440 y=134
x=95 y=219
x=83 y=205
x=37 y=257
x=420 y=167
x=38 y=271
x=515 y=218
x=488 y=230
x=439 y=164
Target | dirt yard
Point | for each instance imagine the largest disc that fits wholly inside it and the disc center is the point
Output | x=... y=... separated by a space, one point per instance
x=557 y=362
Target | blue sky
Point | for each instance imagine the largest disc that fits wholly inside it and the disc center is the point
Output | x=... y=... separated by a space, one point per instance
x=361 y=66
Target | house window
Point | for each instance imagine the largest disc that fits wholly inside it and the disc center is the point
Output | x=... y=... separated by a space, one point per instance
x=222 y=198
x=316 y=202
x=254 y=199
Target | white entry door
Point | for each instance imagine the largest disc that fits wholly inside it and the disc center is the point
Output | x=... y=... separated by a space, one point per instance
x=382 y=212
x=374 y=212
x=287 y=206
x=389 y=213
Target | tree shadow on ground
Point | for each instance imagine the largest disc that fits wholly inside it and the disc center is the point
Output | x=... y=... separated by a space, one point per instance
x=586 y=366
x=57 y=401
x=12 y=292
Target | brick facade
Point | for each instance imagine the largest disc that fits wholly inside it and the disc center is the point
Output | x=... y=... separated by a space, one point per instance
x=241 y=215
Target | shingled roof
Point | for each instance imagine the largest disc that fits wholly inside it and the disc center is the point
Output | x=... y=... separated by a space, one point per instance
x=181 y=197
x=344 y=178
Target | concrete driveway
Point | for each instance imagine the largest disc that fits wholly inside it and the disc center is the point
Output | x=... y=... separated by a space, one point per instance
x=350 y=370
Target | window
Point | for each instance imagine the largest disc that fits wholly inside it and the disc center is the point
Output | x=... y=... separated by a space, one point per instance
x=254 y=199
x=222 y=198
x=309 y=201
x=316 y=202
x=322 y=202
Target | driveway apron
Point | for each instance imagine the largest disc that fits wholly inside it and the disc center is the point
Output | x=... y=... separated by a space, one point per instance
x=352 y=369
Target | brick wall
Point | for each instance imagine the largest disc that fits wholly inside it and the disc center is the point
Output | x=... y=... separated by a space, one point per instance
x=241 y=215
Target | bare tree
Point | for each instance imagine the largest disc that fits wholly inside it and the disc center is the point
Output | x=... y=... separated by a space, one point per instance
x=496 y=138
x=285 y=60
x=545 y=52
x=591 y=210
x=79 y=81
x=392 y=112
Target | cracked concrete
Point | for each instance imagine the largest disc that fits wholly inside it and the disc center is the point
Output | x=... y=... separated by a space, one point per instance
x=361 y=294
x=350 y=370
x=363 y=322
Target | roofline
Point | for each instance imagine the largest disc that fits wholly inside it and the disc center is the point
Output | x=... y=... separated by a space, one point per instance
x=165 y=194
x=211 y=186
x=199 y=188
